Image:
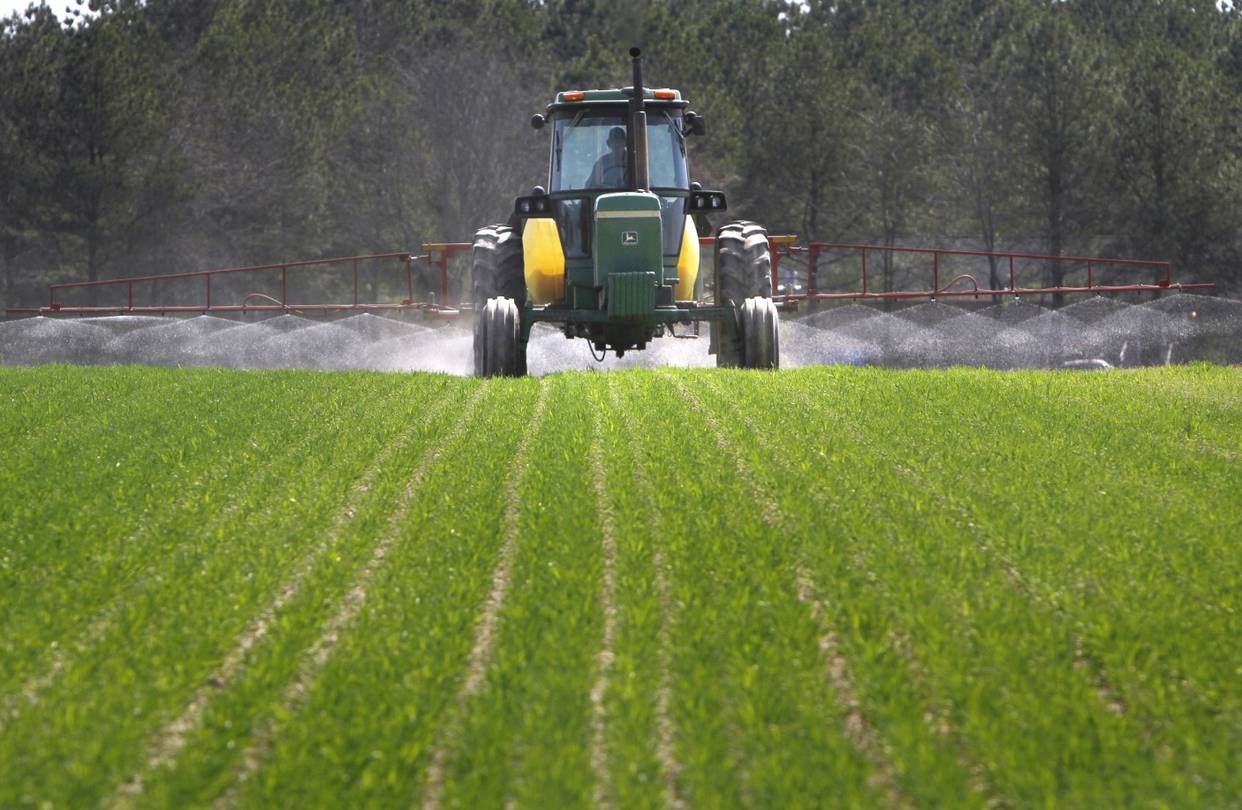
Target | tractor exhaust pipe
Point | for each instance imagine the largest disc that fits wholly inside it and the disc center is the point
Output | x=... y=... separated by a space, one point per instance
x=636 y=143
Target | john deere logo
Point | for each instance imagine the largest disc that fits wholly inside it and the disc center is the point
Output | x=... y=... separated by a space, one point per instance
x=629 y=237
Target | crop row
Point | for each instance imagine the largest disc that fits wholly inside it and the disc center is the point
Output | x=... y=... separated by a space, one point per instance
x=824 y=587
x=116 y=521
x=1028 y=618
x=91 y=686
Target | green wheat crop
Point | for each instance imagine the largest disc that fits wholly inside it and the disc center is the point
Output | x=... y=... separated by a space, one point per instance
x=826 y=587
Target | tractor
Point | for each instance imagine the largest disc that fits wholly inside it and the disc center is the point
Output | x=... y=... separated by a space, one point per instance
x=609 y=251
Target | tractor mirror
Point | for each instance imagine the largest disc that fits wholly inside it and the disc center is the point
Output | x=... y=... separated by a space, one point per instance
x=707 y=202
x=537 y=121
x=695 y=124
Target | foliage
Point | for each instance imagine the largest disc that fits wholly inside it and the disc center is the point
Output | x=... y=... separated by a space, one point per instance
x=173 y=135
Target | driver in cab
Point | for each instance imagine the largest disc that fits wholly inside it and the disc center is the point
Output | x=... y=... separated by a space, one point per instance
x=609 y=171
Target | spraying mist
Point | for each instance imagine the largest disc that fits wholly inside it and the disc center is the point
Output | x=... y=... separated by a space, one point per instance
x=1094 y=333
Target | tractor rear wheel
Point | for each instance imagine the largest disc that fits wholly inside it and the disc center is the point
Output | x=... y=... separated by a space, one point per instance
x=761 y=336
x=496 y=266
x=498 y=348
x=743 y=263
x=743 y=271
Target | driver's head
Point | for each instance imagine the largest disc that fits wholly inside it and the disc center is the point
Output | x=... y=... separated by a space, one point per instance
x=616 y=140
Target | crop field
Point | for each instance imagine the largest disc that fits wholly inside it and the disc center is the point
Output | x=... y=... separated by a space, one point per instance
x=676 y=588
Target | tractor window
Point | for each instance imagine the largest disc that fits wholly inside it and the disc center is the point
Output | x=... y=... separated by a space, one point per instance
x=587 y=154
x=673 y=220
x=573 y=220
x=666 y=151
x=583 y=155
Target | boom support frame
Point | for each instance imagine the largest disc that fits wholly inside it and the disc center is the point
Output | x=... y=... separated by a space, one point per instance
x=438 y=256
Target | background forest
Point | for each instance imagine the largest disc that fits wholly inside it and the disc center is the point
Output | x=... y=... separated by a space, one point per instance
x=172 y=135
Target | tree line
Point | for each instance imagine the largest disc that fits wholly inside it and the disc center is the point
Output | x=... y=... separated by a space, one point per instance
x=148 y=136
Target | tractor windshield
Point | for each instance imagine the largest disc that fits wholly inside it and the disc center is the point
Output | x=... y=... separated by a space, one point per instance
x=588 y=152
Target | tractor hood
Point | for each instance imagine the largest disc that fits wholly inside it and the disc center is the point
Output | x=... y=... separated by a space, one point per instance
x=628 y=235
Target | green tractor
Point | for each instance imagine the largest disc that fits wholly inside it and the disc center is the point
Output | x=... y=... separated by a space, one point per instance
x=610 y=250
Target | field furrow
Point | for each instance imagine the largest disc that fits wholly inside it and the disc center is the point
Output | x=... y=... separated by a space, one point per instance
x=835 y=578
x=524 y=734
x=165 y=638
x=164 y=747
x=68 y=617
x=1161 y=607
x=1064 y=683
x=603 y=791
x=642 y=734
x=411 y=633
x=677 y=589
x=756 y=717
x=482 y=648
x=863 y=598
x=855 y=725
x=320 y=652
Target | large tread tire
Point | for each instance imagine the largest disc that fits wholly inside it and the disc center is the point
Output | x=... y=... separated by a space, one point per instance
x=761 y=337
x=496 y=266
x=743 y=263
x=498 y=349
x=743 y=271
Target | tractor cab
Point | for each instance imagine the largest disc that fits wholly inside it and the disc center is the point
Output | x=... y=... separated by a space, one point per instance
x=588 y=158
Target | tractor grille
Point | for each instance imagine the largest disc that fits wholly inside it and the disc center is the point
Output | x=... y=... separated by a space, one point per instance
x=631 y=295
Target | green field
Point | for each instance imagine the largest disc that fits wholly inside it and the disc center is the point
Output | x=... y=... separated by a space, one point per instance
x=826 y=587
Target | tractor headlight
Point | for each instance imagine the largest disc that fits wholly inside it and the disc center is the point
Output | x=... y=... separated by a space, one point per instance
x=533 y=205
x=701 y=201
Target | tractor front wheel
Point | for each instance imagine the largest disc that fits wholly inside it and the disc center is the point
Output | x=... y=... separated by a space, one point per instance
x=498 y=348
x=761 y=335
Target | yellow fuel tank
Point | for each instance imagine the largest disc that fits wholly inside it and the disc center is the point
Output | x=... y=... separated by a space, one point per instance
x=543 y=261
x=688 y=261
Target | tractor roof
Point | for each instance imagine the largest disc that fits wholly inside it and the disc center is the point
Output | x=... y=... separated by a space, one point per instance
x=618 y=95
